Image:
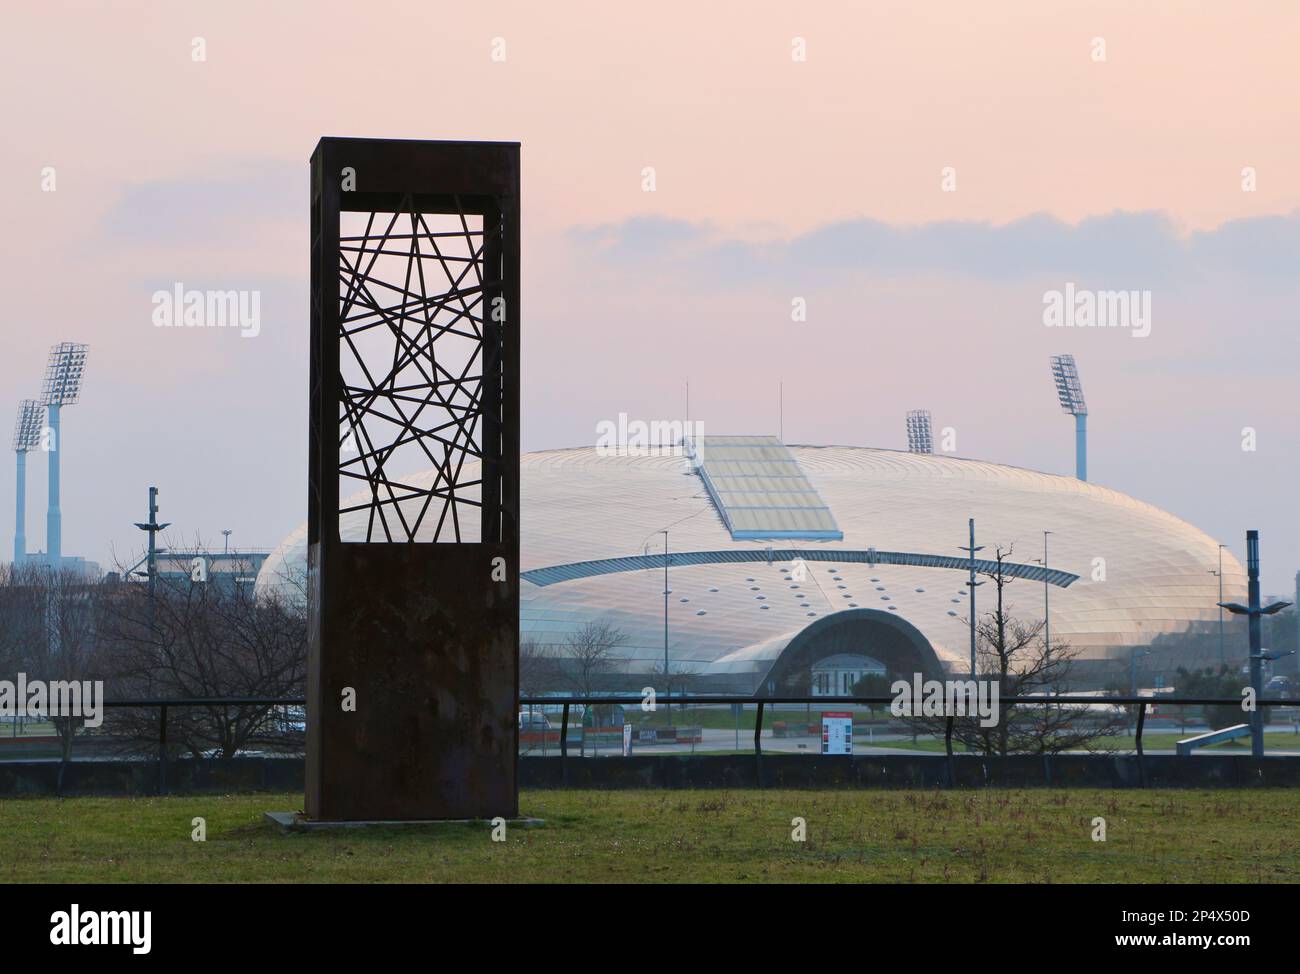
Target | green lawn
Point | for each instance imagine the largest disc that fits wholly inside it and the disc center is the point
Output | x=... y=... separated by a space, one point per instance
x=1245 y=836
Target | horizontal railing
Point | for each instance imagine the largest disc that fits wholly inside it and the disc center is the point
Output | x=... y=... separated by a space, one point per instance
x=1071 y=699
x=164 y=704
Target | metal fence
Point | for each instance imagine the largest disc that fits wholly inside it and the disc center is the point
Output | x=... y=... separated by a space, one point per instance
x=761 y=706
x=1141 y=703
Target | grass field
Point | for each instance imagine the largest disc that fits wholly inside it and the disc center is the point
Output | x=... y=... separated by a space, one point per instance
x=689 y=836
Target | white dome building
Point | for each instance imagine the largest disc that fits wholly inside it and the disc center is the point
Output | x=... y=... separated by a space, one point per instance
x=774 y=547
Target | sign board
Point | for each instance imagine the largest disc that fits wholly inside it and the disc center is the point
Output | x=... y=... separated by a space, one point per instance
x=837 y=732
x=627 y=739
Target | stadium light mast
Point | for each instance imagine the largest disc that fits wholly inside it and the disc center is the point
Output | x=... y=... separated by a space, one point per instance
x=919 y=438
x=27 y=434
x=1070 y=393
x=62 y=388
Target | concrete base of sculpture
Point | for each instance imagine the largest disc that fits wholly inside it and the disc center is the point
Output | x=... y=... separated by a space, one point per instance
x=297 y=822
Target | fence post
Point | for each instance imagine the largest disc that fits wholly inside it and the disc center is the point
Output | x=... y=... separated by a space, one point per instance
x=564 y=745
x=758 y=746
x=947 y=745
x=162 y=750
x=1142 y=771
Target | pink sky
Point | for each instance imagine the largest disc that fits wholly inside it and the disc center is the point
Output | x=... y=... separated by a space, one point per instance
x=171 y=170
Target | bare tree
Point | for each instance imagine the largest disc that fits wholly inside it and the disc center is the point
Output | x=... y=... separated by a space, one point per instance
x=538 y=674
x=591 y=659
x=1014 y=653
x=22 y=613
x=538 y=669
x=48 y=632
x=199 y=638
x=679 y=677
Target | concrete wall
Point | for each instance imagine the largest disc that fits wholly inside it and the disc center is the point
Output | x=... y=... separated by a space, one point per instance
x=720 y=771
x=141 y=777
x=906 y=771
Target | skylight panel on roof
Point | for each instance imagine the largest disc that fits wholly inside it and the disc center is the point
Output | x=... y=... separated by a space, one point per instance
x=759 y=489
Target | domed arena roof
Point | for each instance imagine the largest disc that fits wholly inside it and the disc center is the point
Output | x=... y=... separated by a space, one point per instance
x=742 y=584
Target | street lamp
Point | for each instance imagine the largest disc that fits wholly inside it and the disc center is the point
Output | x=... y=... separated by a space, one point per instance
x=1254 y=611
x=668 y=686
x=1223 y=657
x=1047 y=609
x=970 y=550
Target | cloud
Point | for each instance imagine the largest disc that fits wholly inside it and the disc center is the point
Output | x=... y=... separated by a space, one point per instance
x=1121 y=249
x=206 y=210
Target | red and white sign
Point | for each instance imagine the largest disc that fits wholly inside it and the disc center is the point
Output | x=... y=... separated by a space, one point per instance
x=837 y=732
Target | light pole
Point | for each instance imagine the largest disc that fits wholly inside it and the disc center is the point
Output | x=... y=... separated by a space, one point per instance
x=1223 y=656
x=1254 y=611
x=970 y=550
x=668 y=686
x=1047 y=609
x=225 y=550
x=153 y=528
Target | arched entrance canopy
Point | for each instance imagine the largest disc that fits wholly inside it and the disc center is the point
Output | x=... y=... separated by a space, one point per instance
x=894 y=641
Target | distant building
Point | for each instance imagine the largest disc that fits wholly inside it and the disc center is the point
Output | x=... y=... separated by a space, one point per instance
x=83 y=570
x=228 y=571
x=781 y=556
x=836 y=676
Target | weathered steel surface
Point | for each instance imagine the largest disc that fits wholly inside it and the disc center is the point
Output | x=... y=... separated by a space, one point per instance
x=424 y=635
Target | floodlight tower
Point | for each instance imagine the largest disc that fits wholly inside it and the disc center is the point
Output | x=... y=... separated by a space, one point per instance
x=62 y=388
x=27 y=433
x=919 y=439
x=1070 y=393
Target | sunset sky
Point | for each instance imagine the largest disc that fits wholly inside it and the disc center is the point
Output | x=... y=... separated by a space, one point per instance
x=775 y=179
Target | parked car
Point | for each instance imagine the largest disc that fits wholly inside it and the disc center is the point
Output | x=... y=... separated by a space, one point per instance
x=534 y=721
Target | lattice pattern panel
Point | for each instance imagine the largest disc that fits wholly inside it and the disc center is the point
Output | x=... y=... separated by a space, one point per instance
x=414 y=293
